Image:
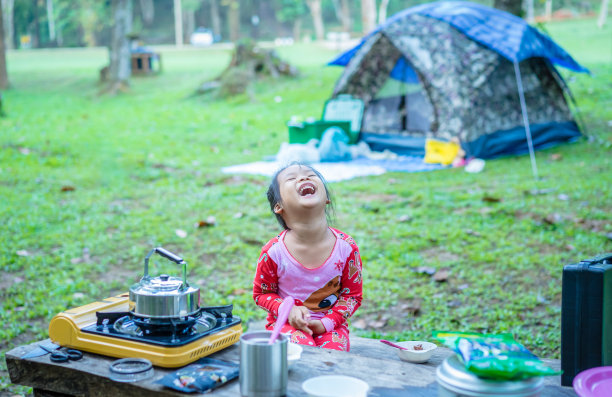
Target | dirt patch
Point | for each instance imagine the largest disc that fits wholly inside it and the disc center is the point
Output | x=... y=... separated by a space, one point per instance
x=121 y=274
x=9 y=279
x=239 y=180
x=385 y=198
x=439 y=255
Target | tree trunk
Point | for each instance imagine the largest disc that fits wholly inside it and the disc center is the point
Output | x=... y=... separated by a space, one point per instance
x=35 y=26
x=120 y=68
x=347 y=23
x=368 y=15
x=317 y=18
x=530 y=14
x=215 y=19
x=9 y=29
x=178 y=23
x=512 y=6
x=51 y=20
x=188 y=24
x=382 y=11
x=147 y=8
x=233 y=17
x=3 y=73
x=603 y=14
x=297 y=29
x=548 y=10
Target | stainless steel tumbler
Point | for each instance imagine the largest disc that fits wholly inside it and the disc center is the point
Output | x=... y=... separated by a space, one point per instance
x=263 y=367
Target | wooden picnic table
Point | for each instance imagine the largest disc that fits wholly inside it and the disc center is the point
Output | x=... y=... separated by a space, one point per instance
x=370 y=360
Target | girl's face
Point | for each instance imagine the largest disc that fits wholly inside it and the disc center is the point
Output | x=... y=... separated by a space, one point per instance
x=300 y=187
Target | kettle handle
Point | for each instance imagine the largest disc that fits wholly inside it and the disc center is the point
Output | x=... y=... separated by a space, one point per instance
x=168 y=255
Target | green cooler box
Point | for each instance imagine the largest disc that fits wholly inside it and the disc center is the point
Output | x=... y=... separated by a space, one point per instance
x=343 y=111
x=304 y=132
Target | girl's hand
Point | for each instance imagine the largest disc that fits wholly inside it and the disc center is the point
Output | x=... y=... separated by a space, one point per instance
x=299 y=317
x=317 y=327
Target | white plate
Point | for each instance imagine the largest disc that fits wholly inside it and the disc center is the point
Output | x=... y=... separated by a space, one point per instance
x=335 y=386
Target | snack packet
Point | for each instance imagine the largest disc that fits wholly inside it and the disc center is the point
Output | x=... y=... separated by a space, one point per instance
x=496 y=356
x=202 y=376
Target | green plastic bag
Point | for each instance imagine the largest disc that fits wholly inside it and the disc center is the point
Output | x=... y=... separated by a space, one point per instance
x=495 y=356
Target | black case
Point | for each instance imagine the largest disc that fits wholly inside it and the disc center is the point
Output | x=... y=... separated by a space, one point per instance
x=586 y=316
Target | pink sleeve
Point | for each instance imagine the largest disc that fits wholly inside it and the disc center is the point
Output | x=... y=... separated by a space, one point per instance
x=265 y=284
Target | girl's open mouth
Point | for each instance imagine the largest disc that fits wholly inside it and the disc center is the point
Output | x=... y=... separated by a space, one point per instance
x=307 y=189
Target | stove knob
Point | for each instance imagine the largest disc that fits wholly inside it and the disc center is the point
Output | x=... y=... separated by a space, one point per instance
x=164 y=277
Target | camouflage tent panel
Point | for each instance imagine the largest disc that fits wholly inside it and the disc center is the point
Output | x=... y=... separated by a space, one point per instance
x=473 y=90
x=369 y=69
x=452 y=66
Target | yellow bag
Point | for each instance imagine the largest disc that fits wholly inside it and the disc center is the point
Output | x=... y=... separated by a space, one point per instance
x=440 y=152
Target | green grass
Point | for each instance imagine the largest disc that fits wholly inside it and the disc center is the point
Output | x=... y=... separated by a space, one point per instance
x=146 y=163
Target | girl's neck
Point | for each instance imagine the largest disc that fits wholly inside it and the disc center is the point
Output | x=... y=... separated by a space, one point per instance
x=309 y=231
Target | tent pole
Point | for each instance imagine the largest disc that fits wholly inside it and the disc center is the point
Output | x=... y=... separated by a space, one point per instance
x=519 y=82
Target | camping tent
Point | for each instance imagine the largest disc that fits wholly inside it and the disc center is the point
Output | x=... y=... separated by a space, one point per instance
x=451 y=69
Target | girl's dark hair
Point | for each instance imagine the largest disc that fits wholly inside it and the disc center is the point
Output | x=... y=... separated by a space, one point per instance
x=274 y=195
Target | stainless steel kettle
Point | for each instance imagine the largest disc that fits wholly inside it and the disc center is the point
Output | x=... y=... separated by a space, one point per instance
x=164 y=297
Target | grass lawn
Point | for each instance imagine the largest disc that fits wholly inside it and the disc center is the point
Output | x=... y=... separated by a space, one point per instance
x=89 y=184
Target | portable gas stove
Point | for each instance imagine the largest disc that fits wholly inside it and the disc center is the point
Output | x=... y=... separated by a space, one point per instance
x=109 y=328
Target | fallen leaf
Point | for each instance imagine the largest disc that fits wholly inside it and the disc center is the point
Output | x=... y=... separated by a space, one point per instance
x=569 y=247
x=24 y=150
x=238 y=215
x=563 y=197
x=210 y=221
x=240 y=291
x=491 y=199
x=181 y=233
x=404 y=218
x=471 y=232
x=556 y=157
x=425 y=270
x=23 y=253
x=251 y=241
x=536 y=192
x=411 y=307
x=441 y=275
x=454 y=303
x=68 y=188
x=552 y=219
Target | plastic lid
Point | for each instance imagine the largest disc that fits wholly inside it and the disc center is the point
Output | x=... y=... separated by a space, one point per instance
x=453 y=376
x=344 y=108
x=131 y=369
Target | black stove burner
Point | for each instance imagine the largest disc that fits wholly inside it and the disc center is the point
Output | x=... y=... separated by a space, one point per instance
x=150 y=326
x=164 y=332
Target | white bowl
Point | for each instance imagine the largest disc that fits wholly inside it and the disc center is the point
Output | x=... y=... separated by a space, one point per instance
x=335 y=386
x=415 y=356
x=294 y=352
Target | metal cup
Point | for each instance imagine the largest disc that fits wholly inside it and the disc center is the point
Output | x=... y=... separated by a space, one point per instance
x=263 y=367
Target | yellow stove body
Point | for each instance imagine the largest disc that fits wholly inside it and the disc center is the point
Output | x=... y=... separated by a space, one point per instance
x=65 y=329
